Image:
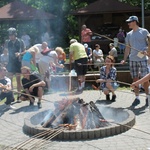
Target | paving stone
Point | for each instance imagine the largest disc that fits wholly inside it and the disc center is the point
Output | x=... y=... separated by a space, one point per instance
x=11 y=125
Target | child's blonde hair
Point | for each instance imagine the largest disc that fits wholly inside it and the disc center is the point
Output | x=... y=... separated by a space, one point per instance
x=33 y=49
x=59 y=49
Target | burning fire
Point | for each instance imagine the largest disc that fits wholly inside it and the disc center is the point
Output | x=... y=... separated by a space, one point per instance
x=74 y=114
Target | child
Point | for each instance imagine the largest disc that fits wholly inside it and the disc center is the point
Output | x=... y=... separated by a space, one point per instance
x=4 y=58
x=107 y=78
x=28 y=57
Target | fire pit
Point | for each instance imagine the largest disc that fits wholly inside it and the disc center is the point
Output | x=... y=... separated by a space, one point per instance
x=81 y=120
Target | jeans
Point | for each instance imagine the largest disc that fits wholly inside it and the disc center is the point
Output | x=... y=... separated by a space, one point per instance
x=9 y=97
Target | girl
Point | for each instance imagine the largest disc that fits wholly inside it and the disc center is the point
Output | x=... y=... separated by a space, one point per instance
x=107 y=78
x=28 y=57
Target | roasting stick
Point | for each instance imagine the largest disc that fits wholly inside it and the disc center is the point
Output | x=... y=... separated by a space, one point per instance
x=113 y=122
x=38 y=144
x=116 y=41
x=42 y=134
x=28 y=95
x=32 y=138
x=45 y=140
x=48 y=136
x=100 y=64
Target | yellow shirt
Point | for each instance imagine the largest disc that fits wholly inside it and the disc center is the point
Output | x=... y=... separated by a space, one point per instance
x=78 y=51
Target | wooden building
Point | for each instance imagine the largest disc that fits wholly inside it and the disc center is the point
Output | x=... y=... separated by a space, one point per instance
x=105 y=17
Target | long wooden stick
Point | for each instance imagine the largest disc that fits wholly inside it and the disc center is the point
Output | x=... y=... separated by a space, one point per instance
x=117 y=41
x=100 y=63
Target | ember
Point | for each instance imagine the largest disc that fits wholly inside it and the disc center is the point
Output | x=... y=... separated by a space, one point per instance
x=75 y=114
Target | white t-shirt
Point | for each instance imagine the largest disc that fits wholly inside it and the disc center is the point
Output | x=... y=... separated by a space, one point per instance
x=50 y=57
x=97 y=53
x=38 y=55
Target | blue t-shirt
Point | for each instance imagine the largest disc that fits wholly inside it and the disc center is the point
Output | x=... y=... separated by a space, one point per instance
x=137 y=41
x=27 y=56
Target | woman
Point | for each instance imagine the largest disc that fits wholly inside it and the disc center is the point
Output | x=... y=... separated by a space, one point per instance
x=97 y=56
x=61 y=58
x=107 y=78
x=47 y=62
x=113 y=52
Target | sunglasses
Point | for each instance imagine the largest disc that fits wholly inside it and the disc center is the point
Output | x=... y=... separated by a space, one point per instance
x=130 y=21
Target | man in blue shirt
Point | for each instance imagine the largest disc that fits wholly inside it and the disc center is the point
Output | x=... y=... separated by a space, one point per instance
x=136 y=46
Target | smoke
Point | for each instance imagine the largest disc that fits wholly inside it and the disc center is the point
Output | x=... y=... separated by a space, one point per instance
x=75 y=112
x=115 y=114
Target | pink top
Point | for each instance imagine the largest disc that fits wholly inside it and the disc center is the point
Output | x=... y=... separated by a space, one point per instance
x=86 y=35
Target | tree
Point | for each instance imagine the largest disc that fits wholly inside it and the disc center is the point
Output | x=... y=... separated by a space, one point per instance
x=65 y=26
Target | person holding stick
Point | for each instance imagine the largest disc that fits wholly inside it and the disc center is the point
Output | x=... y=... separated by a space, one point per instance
x=32 y=85
x=136 y=84
x=78 y=53
x=5 y=88
x=136 y=45
x=107 y=78
x=14 y=46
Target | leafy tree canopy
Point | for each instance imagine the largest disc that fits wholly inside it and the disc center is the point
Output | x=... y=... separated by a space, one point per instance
x=66 y=25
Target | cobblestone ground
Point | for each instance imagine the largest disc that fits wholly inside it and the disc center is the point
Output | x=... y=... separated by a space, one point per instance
x=11 y=123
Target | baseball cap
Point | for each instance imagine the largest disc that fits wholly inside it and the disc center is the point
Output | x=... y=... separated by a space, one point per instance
x=86 y=45
x=132 y=18
x=12 y=31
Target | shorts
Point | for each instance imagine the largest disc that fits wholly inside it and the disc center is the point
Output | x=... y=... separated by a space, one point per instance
x=138 y=68
x=80 y=66
x=115 y=85
x=34 y=93
x=14 y=67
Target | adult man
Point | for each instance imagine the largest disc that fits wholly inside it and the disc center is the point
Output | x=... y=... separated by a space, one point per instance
x=14 y=46
x=41 y=47
x=5 y=88
x=136 y=45
x=86 y=35
x=32 y=85
x=78 y=53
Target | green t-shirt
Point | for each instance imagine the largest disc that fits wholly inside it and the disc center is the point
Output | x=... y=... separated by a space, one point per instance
x=78 y=51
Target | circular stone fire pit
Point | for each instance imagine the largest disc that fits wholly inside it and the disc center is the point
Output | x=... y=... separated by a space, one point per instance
x=121 y=120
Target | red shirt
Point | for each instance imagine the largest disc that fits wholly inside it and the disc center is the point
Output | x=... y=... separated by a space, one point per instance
x=86 y=35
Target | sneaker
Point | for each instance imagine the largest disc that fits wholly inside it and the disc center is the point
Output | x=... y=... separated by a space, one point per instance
x=18 y=100
x=147 y=103
x=8 y=106
x=108 y=97
x=31 y=103
x=39 y=105
x=113 y=98
x=12 y=107
x=136 y=102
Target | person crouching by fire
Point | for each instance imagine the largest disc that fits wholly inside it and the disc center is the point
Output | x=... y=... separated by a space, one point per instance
x=78 y=53
x=108 y=78
x=32 y=85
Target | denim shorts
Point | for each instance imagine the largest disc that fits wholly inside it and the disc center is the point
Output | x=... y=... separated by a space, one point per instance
x=115 y=85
